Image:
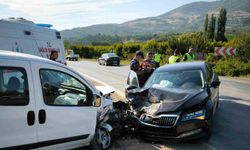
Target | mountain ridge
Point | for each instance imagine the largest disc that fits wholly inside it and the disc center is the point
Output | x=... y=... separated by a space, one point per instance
x=186 y=18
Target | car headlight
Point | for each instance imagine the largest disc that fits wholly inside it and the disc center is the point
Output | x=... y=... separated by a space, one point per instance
x=199 y=115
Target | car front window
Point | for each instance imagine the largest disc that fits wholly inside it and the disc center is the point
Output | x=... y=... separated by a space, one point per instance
x=184 y=79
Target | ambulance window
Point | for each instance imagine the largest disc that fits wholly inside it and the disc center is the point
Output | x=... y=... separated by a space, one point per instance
x=27 y=32
x=58 y=35
x=14 y=86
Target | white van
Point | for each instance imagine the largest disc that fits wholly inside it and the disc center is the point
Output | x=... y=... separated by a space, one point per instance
x=44 y=104
x=24 y=36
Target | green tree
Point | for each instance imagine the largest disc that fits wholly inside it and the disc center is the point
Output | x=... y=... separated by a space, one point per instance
x=206 y=24
x=211 y=27
x=221 y=25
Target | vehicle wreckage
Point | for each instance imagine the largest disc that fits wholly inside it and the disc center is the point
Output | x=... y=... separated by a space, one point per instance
x=177 y=103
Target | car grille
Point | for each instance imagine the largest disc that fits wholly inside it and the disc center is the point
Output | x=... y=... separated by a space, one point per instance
x=166 y=121
x=162 y=120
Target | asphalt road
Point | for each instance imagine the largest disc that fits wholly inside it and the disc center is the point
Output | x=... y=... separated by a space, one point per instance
x=231 y=128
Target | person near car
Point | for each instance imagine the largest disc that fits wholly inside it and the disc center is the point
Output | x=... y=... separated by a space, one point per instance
x=157 y=59
x=189 y=56
x=53 y=55
x=176 y=57
x=148 y=63
x=135 y=63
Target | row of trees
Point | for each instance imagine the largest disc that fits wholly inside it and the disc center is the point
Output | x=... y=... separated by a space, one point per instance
x=196 y=40
x=210 y=26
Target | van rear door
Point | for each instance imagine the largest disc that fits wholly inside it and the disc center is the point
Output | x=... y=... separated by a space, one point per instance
x=17 y=107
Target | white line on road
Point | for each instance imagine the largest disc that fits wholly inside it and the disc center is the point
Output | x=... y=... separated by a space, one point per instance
x=243 y=102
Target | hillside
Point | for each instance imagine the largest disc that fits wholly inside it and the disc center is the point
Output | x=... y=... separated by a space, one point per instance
x=189 y=17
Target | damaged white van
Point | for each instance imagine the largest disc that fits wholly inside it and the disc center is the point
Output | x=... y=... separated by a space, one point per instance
x=24 y=36
x=44 y=104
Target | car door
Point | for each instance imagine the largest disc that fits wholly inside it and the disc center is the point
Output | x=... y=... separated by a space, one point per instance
x=64 y=106
x=17 y=106
x=213 y=90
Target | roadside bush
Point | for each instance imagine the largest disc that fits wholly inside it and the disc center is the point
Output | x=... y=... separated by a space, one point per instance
x=232 y=67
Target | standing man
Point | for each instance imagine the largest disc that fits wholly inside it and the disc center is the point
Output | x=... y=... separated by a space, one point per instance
x=157 y=59
x=135 y=63
x=53 y=55
x=189 y=56
x=175 y=58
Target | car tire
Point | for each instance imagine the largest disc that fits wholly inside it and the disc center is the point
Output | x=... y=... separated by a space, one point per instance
x=118 y=64
x=101 y=140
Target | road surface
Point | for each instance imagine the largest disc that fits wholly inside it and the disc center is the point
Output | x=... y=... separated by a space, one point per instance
x=231 y=129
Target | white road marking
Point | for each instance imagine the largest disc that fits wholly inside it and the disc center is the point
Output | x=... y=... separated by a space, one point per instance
x=236 y=101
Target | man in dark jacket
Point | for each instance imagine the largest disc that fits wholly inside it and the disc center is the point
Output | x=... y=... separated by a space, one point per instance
x=135 y=63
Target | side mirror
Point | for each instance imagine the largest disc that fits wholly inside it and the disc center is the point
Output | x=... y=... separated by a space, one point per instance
x=97 y=101
x=131 y=87
x=215 y=84
x=133 y=79
x=128 y=88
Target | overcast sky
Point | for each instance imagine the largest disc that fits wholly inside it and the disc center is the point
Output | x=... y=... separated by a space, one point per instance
x=67 y=14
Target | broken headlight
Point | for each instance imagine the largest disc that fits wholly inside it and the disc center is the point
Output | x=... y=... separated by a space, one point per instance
x=199 y=115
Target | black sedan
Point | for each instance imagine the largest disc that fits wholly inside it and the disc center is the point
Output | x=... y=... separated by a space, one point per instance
x=109 y=59
x=177 y=102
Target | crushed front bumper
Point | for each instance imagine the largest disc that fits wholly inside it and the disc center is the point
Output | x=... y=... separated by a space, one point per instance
x=181 y=131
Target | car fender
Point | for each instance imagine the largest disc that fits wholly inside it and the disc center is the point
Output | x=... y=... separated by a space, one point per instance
x=106 y=126
x=209 y=108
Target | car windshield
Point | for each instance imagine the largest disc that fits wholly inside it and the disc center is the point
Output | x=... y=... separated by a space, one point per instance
x=112 y=55
x=183 y=79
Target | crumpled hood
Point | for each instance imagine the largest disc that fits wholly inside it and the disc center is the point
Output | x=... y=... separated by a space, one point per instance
x=160 y=101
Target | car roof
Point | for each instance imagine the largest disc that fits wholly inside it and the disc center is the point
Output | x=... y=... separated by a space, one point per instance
x=183 y=66
x=22 y=56
x=110 y=54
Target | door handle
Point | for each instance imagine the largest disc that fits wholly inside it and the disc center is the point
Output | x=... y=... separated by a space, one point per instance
x=42 y=116
x=31 y=118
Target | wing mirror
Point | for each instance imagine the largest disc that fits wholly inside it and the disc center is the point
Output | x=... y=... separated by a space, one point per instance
x=215 y=84
x=97 y=101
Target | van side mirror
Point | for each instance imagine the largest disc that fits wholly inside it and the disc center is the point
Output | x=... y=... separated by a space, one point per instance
x=97 y=101
x=215 y=84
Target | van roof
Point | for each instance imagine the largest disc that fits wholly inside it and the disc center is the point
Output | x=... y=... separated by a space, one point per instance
x=27 y=57
x=22 y=56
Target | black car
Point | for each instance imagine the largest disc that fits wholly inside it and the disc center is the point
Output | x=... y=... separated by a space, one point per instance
x=177 y=102
x=109 y=59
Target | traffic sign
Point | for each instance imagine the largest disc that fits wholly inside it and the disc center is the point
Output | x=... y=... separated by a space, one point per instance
x=223 y=51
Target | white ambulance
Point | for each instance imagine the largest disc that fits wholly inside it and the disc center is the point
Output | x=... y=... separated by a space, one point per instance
x=24 y=36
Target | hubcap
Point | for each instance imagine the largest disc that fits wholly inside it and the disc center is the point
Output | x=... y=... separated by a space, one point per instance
x=103 y=138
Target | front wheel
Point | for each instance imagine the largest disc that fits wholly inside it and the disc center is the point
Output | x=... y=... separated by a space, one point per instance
x=101 y=140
